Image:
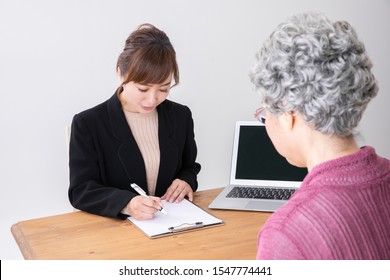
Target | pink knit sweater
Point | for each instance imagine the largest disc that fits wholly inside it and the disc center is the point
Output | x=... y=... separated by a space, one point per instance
x=341 y=211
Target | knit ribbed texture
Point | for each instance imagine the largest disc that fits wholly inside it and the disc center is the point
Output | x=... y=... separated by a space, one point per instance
x=144 y=128
x=341 y=211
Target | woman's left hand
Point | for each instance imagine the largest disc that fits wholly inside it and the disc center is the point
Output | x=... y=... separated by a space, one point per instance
x=177 y=191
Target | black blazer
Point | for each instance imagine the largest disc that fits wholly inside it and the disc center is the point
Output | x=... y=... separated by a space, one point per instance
x=104 y=157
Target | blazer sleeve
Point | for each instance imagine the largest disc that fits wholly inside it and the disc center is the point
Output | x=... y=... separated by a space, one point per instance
x=87 y=190
x=190 y=168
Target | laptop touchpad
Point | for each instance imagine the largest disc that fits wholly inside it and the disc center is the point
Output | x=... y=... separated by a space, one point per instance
x=266 y=206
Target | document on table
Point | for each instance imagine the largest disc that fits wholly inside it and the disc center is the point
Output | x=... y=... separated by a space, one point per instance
x=181 y=217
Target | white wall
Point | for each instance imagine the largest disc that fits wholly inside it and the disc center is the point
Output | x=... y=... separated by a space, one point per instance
x=58 y=58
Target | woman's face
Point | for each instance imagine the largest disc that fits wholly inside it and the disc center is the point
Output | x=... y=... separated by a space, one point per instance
x=144 y=98
x=283 y=139
x=275 y=133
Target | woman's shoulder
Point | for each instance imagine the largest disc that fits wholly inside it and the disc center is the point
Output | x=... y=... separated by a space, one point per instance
x=94 y=117
x=99 y=110
x=173 y=107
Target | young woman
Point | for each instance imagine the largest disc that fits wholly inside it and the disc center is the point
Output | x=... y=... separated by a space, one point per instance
x=136 y=136
x=316 y=82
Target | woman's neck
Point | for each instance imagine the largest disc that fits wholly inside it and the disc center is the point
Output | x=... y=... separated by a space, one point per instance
x=323 y=148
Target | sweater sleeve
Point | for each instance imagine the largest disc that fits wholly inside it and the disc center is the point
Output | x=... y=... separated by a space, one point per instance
x=273 y=244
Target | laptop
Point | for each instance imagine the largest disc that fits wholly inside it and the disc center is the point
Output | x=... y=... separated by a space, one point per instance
x=260 y=178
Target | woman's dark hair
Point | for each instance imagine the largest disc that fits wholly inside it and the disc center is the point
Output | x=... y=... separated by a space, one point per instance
x=148 y=57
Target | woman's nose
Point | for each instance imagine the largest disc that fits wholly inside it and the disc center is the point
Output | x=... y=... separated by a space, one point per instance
x=152 y=97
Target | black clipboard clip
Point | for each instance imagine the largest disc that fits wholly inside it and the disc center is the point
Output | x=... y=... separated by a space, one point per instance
x=185 y=226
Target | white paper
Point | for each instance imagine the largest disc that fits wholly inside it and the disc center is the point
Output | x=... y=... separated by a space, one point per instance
x=183 y=214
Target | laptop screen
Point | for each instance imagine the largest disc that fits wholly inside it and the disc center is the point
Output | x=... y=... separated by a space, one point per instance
x=257 y=158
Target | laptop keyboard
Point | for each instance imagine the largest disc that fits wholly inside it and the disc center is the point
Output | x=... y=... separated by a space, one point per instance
x=261 y=193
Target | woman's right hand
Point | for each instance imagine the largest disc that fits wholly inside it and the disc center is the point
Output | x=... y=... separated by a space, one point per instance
x=143 y=208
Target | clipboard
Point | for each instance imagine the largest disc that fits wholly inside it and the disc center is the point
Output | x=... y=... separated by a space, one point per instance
x=182 y=217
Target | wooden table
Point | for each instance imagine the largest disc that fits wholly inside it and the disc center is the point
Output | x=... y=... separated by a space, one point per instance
x=79 y=235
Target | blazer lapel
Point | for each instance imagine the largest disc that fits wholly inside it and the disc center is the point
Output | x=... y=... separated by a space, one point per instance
x=168 y=150
x=128 y=151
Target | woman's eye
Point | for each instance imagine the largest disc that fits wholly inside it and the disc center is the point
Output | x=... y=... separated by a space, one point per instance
x=142 y=90
x=164 y=90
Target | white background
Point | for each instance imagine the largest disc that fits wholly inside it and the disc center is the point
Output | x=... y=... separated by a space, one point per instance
x=58 y=58
x=195 y=269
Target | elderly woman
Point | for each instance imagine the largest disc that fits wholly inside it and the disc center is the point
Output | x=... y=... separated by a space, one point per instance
x=315 y=80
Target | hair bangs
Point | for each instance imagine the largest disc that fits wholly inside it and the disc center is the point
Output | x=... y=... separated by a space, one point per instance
x=153 y=66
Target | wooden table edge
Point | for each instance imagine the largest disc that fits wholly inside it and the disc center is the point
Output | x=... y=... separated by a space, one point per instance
x=21 y=240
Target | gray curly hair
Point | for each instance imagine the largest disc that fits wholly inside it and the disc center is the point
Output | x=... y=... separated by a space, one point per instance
x=318 y=68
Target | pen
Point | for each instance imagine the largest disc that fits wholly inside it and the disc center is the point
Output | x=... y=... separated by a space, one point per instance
x=142 y=193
